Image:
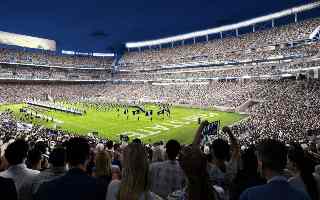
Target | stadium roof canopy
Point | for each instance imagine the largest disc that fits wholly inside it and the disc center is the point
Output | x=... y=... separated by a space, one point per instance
x=104 y=26
x=224 y=28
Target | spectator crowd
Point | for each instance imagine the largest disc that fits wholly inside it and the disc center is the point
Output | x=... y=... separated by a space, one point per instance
x=47 y=58
x=272 y=154
x=49 y=165
x=260 y=44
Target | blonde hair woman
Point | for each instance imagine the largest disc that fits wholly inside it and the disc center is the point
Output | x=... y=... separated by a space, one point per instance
x=134 y=184
x=103 y=168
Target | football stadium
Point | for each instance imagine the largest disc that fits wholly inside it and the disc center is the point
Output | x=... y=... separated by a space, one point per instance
x=175 y=107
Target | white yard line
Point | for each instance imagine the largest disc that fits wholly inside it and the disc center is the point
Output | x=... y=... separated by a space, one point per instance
x=166 y=126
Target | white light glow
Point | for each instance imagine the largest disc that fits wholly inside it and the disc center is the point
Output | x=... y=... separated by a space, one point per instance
x=27 y=41
x=242 y=24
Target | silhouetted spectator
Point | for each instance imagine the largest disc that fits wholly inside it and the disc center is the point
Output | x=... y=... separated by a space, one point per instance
x=194 y=164
x=135 y=181
x=248 y=176
x=301 y=167
x=272 y=159
x=103 y=168
x=75 y=184
x=34 y=159
x=167 y=176
x=8 y=189
x=225 y=160
x=15 y=154
x=57 y=161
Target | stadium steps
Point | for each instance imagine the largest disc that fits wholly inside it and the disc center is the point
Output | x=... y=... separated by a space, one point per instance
x=244 y=107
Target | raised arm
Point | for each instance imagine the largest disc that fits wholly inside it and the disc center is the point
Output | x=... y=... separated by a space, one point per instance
x=235 y=147
x=197 y=138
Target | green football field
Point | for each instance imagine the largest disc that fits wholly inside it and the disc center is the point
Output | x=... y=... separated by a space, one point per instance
x=181 y=124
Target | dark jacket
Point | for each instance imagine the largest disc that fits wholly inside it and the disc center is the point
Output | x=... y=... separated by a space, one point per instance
x=243 y=181
x=75 y=184
x=104 y=180
x=8 y=189
x=274 y=190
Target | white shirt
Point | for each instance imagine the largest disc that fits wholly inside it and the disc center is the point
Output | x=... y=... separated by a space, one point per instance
x=166 y=177
x=19 y=174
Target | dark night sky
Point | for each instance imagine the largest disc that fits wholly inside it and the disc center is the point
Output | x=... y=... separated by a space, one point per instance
x=98 y=25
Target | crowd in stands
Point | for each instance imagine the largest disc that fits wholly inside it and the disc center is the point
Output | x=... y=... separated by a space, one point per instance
x=292 y=107
x=47 y=161
x=179 y=94
x=21 y=92
x=36 y=73
x=283 y=105
x=51 y=59
x=239 y=70
x=272 y=154
x=275 y=68
x=42 y=165
x=260 y=46
x=227 y=93
x=257 y=45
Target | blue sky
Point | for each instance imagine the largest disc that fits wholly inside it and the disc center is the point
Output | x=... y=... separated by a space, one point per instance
x=101 y=25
